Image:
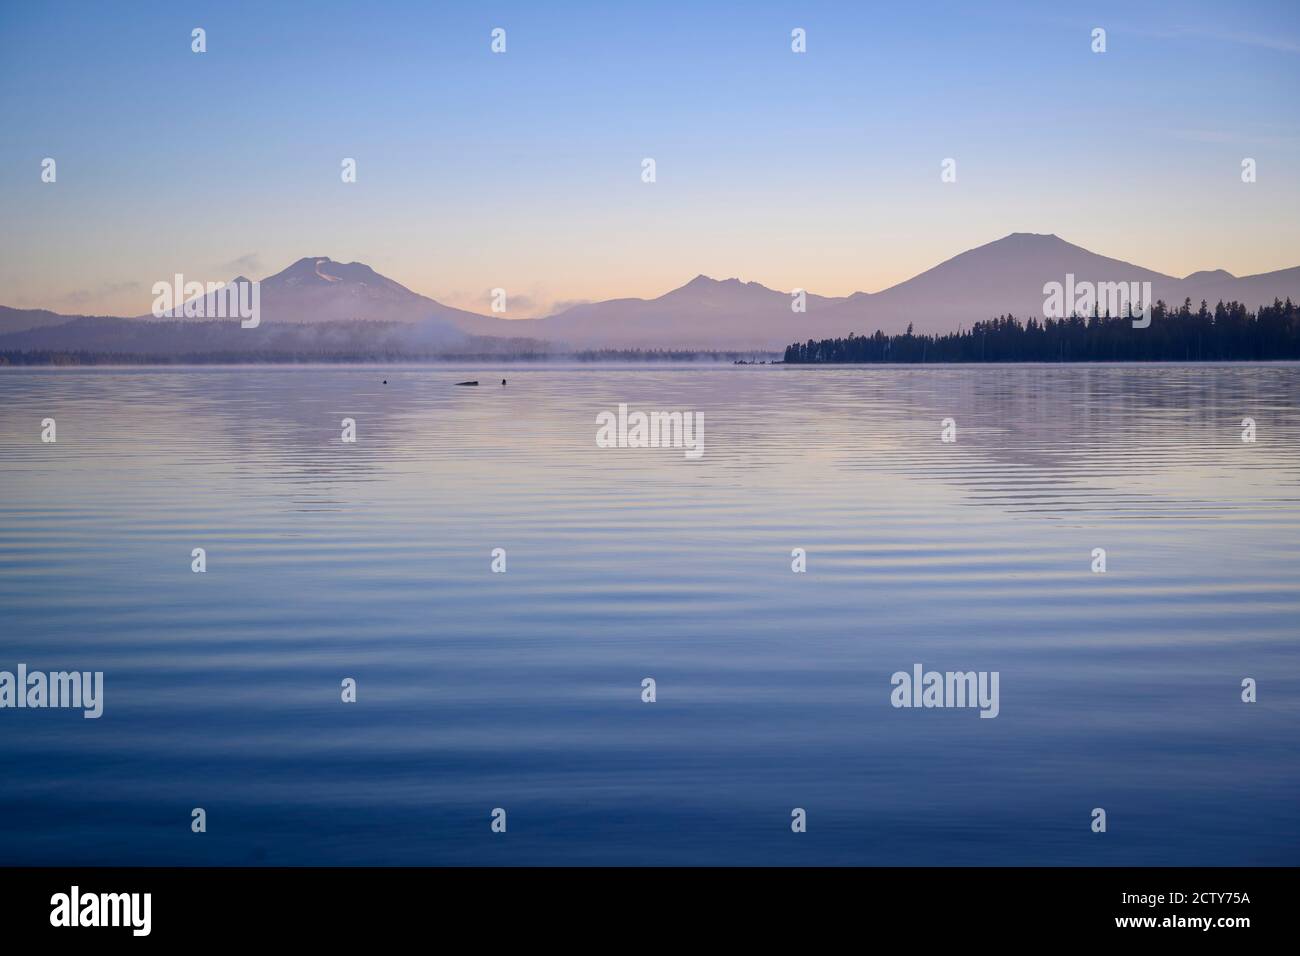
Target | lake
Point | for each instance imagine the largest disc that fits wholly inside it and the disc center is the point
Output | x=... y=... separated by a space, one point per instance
x=522 y=690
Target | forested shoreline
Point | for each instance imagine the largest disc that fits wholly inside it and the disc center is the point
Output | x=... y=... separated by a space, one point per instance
x=1226 y=333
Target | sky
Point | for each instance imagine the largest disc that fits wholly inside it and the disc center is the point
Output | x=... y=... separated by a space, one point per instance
x=522 y=170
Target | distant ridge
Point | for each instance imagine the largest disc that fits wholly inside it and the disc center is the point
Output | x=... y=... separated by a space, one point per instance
x=1001 y=277
x=1005 y=276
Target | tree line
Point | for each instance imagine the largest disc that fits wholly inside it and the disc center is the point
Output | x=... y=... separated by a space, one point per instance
x=1228 y=332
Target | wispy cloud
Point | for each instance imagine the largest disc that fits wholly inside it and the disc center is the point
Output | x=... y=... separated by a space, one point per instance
x=100 y=292
x=250 y=262
x=1281 y=43
x=563 y=304
x=1230 y=137
x=532 y=302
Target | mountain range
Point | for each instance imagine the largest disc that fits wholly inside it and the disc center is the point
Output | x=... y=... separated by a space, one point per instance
x=319 y=307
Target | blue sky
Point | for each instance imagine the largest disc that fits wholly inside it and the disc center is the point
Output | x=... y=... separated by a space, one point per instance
x=522 y=170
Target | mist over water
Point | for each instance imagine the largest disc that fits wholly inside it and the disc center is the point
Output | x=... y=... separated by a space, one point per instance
x=522 y=690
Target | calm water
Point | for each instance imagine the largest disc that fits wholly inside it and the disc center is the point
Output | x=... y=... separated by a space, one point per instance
x=522 y=690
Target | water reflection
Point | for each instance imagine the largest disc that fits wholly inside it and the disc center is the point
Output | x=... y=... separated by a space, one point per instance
x=523 y=690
